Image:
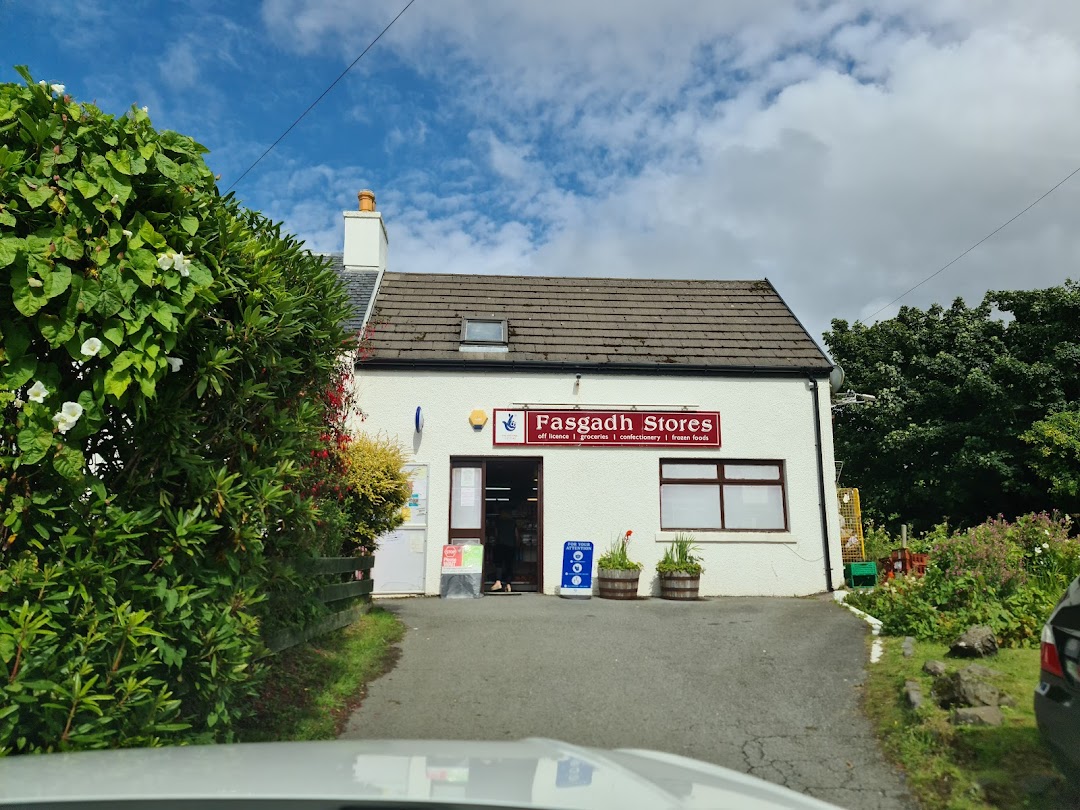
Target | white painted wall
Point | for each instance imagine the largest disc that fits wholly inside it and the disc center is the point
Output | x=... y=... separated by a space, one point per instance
x=366 y=243
x=595 y=493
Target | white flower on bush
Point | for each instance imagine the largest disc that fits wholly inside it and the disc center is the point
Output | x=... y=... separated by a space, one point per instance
x=90 y=347
x=145 y=109
x=127 y=233
x=182 y=265
x=67 y=416
x=1038 y=549
x=37 y=392
x=1046 y=546
x=18 y=402
x=33 y=282
x=175 y=261
x=174 y=363
x=57 y=88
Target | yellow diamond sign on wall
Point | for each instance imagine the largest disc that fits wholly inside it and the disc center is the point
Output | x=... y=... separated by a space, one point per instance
x=478 y=418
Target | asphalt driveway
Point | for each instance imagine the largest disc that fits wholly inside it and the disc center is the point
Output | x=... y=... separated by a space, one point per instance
x=769 y=687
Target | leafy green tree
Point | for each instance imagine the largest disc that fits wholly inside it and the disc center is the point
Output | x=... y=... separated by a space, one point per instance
x=1055 y=441
x=162 y=356
x=957 y=388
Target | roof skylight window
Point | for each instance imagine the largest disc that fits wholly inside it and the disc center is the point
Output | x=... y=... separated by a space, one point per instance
x=483 y=332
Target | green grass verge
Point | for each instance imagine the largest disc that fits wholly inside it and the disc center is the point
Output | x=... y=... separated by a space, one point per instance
x=312 y=688
x=964 y=768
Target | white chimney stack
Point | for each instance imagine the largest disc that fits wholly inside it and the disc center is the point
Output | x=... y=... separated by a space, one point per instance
x=365 y=236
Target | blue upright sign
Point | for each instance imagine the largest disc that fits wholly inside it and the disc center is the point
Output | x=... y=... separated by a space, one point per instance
x=577 y=569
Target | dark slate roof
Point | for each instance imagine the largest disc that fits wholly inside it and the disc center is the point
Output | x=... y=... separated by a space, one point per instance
x=612 y=323
x=360 y=284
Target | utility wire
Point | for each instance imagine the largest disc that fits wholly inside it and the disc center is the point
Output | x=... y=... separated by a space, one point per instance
x=942 y=269
x=281 y=137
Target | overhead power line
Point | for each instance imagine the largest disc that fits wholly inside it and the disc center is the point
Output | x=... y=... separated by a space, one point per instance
x=322 y=95
x=1000 y=227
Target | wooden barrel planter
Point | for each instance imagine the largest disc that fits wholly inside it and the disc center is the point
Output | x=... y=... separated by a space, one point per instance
x=679 y=586
x=617 y=584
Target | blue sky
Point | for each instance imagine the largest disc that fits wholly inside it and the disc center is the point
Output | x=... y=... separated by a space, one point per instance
x=843 y=149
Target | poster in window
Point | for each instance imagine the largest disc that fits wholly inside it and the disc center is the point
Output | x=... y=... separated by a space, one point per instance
x=417 y=505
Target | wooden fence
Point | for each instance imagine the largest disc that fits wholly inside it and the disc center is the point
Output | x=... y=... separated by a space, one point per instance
x=328 y=594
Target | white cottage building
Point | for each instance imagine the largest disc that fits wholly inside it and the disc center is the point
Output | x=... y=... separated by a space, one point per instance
x=582 y=407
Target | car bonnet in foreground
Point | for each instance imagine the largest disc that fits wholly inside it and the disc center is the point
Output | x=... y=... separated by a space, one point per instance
x=533 y=773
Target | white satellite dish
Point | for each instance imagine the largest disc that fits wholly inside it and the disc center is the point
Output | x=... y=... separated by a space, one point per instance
x=836 y=379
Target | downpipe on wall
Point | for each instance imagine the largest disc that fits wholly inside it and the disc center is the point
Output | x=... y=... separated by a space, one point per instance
x=821 y=485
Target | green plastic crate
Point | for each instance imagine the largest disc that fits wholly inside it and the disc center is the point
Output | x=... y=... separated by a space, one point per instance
x=860 y=574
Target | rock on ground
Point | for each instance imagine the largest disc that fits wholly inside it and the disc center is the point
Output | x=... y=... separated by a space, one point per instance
x=913 y=693
x=934 y=668
x=979 y=671
x=965 y=688
x=977 y=716
x=975 y=642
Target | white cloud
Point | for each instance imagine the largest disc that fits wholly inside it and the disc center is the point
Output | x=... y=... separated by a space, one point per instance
x=309 y=199
x=845 y=150
x=179 y=68
x=511 y=162
x=415 y=134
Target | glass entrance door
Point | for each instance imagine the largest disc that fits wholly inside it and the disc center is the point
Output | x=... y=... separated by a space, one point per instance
x=466 y=502
x=498 y=501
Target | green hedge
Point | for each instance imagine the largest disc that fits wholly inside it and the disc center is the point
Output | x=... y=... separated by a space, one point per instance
x=163 y=357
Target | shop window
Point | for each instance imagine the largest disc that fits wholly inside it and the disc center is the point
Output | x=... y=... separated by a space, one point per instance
x=722 y=495
x=483 y=331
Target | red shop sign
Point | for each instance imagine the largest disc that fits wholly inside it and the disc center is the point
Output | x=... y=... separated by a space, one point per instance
x=606 y=428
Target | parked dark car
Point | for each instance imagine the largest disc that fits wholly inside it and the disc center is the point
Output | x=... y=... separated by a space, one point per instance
x=1057 y=697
